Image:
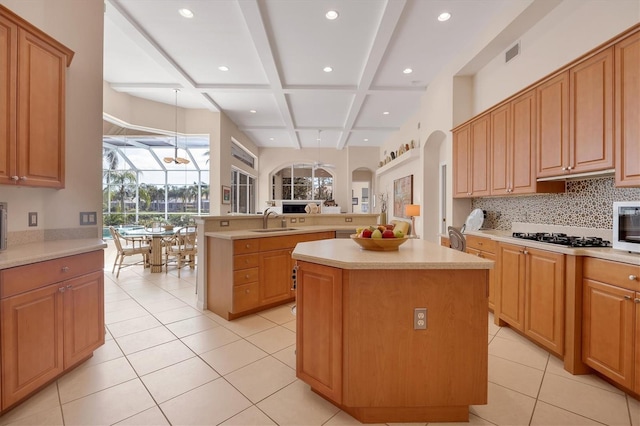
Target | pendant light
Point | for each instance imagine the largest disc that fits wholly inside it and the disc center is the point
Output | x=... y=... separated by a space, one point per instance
x=175 y=159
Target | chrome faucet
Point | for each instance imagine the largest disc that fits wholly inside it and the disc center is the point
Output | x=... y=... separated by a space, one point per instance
x=265 y=217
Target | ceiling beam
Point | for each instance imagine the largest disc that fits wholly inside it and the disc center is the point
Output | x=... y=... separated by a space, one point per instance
x=390 y=17
x=250 y=10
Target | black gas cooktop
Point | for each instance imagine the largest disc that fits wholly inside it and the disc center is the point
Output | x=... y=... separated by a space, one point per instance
x=562 y=239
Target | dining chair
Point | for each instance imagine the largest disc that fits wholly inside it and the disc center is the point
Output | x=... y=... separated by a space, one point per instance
x=139 y=246
x=457 y=241
x=181 y=249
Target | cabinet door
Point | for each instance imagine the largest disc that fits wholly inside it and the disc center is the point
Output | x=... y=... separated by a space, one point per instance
x=636 y=367
x=523 y=142
x=480 y=156
x=8 y=57
x=500 y=156
x=319 y=329
x=461 y=162
x=32 y=341
x=544 y=295
x=627 y=69
x=607 y=330
x=552 y=151
x=591 y=114
x=83 y=317
x=275 y=276
x=41 y=112
x=511 y=284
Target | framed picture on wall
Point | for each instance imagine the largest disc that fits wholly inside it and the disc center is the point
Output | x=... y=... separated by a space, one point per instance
x=226 y=195
x=354 y=201
x=402 y=195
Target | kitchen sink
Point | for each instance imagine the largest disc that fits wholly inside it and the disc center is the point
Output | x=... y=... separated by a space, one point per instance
x=274 y=230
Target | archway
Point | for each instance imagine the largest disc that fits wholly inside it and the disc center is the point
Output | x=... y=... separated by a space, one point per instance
x=361 y=191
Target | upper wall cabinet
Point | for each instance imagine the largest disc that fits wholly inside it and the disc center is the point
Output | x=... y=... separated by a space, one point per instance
x=471 y=153
x=627 y=111
x=32 y=104
x=553 y=126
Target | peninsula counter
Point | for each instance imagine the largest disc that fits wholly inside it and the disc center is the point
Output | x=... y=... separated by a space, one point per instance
x=359 y=343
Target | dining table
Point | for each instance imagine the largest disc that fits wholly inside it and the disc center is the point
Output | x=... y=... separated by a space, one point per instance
x=156 y=238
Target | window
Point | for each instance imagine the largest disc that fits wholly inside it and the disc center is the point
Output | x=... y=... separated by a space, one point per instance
x=237 y=151
x=242 y=192
x=302 y=182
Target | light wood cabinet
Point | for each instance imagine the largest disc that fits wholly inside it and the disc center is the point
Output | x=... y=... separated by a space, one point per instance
x=485 y=248
x=48 y=326
x=471 y=153
x=261 y=273
x=553 y=126
x=531 y=293
x=32 y=110
x=627 y=111
x=356 y=344
x=611 y=315
x=591 y=114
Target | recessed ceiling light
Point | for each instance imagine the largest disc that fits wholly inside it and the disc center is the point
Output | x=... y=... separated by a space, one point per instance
x=366 y=139
x=444 y=16
x=407 y=71
x=385 y=113
x=270 y=139
x=327 y=69
x=253 y=111
x=331 y=15
x=223 y=68
x=186 y=13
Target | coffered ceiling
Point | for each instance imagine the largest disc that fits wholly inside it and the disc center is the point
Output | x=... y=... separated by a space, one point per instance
x=276 y=50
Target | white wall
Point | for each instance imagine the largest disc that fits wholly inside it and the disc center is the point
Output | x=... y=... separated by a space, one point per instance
x=79 y=26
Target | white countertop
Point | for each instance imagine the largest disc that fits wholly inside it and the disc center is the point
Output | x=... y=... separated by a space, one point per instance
x=276 y=232
x=414 y=254
x=25 y=254
x=606 y=253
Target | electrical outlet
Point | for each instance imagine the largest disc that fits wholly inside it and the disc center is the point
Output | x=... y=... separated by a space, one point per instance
x=294 y=220
x=224 y=223
x=420 y=319
x=348 y=219
x=301 y=219
x=33 y=218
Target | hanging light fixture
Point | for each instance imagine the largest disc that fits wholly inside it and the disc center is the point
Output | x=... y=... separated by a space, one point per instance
x=175 y=159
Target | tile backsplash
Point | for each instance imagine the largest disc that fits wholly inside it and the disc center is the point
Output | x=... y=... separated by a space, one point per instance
x=586 y=203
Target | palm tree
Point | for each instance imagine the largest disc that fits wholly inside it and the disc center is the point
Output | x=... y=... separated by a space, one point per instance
x=124 y=181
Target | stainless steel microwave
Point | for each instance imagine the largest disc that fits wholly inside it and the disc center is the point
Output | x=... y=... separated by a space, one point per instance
x=626 y=226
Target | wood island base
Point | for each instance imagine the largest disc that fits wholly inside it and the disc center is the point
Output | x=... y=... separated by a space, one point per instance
x=358 y=348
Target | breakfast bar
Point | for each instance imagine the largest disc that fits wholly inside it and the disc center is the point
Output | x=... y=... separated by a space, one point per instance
x=393 y=336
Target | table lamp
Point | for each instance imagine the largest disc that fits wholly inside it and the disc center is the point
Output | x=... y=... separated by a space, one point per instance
x=412 y=210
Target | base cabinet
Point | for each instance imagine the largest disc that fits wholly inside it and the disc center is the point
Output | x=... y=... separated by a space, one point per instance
x=356 y=343
x=261 y=273
x=485 y=248
x=52 y=327
x=531 y=293
x=611 y=321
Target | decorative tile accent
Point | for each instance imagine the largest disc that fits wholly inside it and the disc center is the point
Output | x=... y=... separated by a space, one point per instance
x=16 y=238
x=586 y=203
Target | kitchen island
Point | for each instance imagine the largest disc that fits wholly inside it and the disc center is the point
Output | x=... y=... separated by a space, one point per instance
x=363 y=344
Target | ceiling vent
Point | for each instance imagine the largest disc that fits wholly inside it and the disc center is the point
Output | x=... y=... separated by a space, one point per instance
x=512 y=52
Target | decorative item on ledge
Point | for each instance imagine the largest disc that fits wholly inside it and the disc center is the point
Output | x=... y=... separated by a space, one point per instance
x=384 y=199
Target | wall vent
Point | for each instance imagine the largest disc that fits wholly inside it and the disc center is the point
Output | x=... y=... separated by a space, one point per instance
x=512 y=52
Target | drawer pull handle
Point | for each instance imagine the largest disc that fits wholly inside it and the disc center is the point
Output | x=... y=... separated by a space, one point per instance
x=69 y=287
x=247 y=276
x=479 y=243
x=61 y=289
x=246 y=261
x=65 y=269
x=247 y=246
x=247 y=291
x=632 y=278
x=627 y=297
x=14 y=178
x=637 y=300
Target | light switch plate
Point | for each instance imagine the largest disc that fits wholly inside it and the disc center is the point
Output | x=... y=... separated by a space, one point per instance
x=88 y=218
x=33 y=218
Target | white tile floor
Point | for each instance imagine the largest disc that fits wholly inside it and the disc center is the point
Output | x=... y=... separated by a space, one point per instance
x=165 y=362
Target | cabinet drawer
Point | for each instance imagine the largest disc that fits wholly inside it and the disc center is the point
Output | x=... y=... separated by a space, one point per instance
x=251 y=245
x=609 y=272
x=244 y=261
x=245 y=297
x=25 y=278
x=245 y=276
x=481 y=243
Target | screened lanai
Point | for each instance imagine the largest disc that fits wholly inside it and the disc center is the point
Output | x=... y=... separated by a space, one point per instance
x=142 y=181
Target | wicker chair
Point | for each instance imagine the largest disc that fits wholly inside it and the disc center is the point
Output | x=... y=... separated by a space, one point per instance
x=139 y=246
x=181 y=249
